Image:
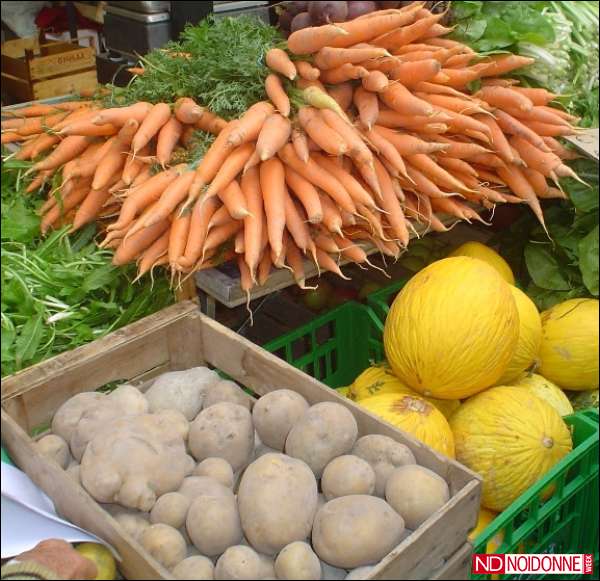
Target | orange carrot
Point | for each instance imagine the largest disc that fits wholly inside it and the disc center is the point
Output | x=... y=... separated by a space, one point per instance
x=37 y=110
x=375 y=81
x=537 y=181
x=456 y=166
x=154 y=255
x=409 y=144
x=505 y=98
x=86 y=127
x=438 y=54
x=230 y=168
x=435 y=89
x=43 y=143
x=168 y=136
x=498 y=142
x=130 y=248
x=307 y=71
x=296 y=225
x=460 y=149
x=248 y=126
x=342 y=94
x=277 y=94
x=559 y=149
x=428 y=167
x=535 y=159
x=178 y=235
x=200 y=218
x=325 y=242
x=68 y=149
x=513 y=126
x=234 y=200
x=304 y=84
x=502 y=64
x=454 y=104
x=187 y=111
x=38 y=124
x=120 y=115
x=387 y=150
x=356 y=147
x=210 y=123
x=278 y=61
x=309 y=40
x=320 y=132
x=460 y=78
x=39 y=181
x=11 y=137
x=272 y=185
x=367 y=105
x=327 y=263
x=274 y=134
x=254 y=222
x=399 y=98
x=343 y=73
x=151 y=125
x=332 y=216
x=458 y=61
x=536 y=96
x=300 y=143
x=331 y=58
x=548 y=130
x=90 y=208
x=411 y=73
x=133 y=166
x=72 y=200
x=220 y=235
x=391 y=205
x=294 y=258
x=554 y=193
x=264 y=267
x=306 y=194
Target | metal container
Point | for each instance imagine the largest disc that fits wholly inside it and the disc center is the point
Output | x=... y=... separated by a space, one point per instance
x=143 y=7
x=138 y=35
x=146 y=18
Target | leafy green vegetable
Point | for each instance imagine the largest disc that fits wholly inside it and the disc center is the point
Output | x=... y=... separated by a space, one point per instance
x=219 y=62
x=62 y=291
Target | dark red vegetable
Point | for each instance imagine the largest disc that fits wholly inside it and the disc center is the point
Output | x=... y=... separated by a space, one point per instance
x=359 y=8
x=301 y=21
x=296 y=7
x=285 y=20
x=326 y=12
x=387 y=5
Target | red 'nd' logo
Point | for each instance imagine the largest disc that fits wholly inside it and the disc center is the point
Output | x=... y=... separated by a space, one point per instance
x=515 y=564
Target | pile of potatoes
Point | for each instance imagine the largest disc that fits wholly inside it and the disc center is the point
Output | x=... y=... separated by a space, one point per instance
x=215 y=485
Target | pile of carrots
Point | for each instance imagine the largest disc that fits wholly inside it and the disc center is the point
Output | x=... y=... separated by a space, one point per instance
x=370 y=128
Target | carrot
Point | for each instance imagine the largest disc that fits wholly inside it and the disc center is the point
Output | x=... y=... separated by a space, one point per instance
x=428 y=167
x=272 y=185
x=559 y=149
x=306 y=194
x=118 y=116
x=73 y=105
x=343 y=73
x=39 y=181
x=456 y=166
x=178 y=235
x=86 y=127
x=435 y=89
x=42 y=143
x=187 y=111
x=503 y=82
x=375 y=81
x=11 y=137
x=332 y=215
x=25 y=152
x=331 y=58
x=174 y=193
x=501 y=64
x=115 y=158
x=454 y=104
x=264 y=267
x=210 y=123
x=154 y=255
x=554 y=193
x=564 y=115
x=277 y=94
x=230 y=168
x=254 y=221
x=133 y=166
x=487 y=159
x=400 y=99
x=498 y=140
x=133 y=246
x=309 y=40
x=294 y=258
x=220 y=235
x=352 y=185
x=14 y=123
x=458 y=61
x=536 y=96
x=460 y=78
x=312 y=172
x=548 y=130
x=68 y=149
x=385 y=65
x=90 y=207
x=151 y=125
x=408 y=144
x=144 y=175
x=31 y=111
x=296 y=225
x=278 y=61
x=367 y=105
x=387 y=150
x=38 y=124
x=325 y=242
x=201 y=215
x=234 y=200
x=517 y=182
x=513 y=126
x=249 y=125
x=412 y=73
x=342 y=93
x=300 y=143
x=304 y=84
x=307 y=71
x=327 y=263
x=72 y=200
x=167 y=139
x=505 y=98
x=321 y=100
x=460 y=149
x=439 y=54
x=320 y=132
x=391 y=205
x=274 y=134
x=352 y=139
x=407 y=34
x=537 y=181
x=544 y=163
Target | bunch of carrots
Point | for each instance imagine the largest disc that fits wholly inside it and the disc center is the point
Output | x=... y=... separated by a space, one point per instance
x=370 y=129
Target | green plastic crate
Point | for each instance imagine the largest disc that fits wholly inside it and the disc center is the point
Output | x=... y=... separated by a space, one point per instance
x=339 y=345
x=335 y=347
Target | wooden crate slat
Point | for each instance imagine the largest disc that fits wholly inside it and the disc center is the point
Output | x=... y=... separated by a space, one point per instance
x=62 y=63
x=60 y=86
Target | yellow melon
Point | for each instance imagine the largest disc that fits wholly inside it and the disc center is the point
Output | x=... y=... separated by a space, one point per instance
x=569 y=349
x=484 y=519
x=546 y=390
x=530 y=337
x=485 y=253
x=379 y=379
x=512 y=438
x=453 y=329
x=414 y=415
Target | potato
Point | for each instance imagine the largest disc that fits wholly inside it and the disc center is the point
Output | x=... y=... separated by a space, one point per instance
x=133 y=523
x=216 y=468
x=261 y=449
x=213 y=524
x=274 y=415
x=227 y=391
x=224 y=430
x=183 y=391
x=297 y=561
x=333 y=573
x=359 y=573
x=326 y=430
x=415 y=493
x=170 y=509
x=196 y=567
x=67 y=416
x=175 y=422
x=241 y=562
x=194 y=486
x=277 y=498
x=384 y=455
x=354 y=531
x=347 y=475
x=165 y=544
x=55 y=448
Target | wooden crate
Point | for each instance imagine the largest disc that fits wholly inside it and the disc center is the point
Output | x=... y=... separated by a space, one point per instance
x=181 y=337
x=35 y=69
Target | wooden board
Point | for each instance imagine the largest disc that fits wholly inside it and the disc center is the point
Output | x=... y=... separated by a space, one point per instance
x=586 y=141
x=70 y=84
x=178 y=338
x=62 y=63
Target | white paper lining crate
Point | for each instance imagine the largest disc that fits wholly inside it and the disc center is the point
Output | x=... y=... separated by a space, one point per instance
x=180 y=337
